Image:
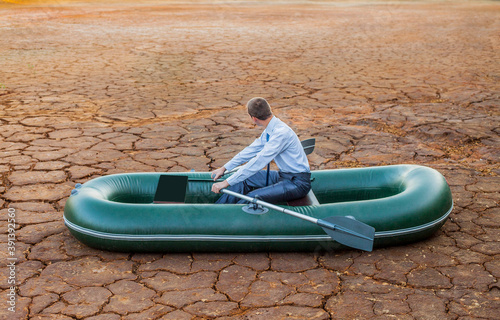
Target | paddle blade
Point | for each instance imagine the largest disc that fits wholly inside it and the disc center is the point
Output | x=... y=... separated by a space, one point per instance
x=349 y=232
x=308 y=145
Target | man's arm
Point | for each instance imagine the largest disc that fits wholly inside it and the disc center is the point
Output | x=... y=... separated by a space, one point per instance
x=271 y=149
x=243 y=156
x=246 y=154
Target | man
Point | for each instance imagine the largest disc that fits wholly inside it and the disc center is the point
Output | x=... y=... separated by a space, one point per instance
x=277 y=142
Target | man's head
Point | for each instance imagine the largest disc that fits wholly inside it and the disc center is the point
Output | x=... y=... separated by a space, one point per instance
x=259 y=108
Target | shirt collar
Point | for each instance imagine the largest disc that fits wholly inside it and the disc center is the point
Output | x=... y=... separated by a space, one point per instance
x=271 y=125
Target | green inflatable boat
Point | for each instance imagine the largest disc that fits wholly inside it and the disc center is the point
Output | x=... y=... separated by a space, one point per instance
x=404 y=203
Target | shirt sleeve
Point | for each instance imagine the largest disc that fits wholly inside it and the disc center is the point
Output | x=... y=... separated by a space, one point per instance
x=246 y=154
x=277 y=142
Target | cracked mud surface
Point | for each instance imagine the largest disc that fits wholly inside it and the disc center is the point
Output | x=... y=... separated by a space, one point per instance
x=106 y=87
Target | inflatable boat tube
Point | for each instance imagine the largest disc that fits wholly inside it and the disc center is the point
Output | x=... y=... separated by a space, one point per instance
x=404 y=203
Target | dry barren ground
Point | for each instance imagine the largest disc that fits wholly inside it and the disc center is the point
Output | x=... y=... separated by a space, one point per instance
x=94 y=88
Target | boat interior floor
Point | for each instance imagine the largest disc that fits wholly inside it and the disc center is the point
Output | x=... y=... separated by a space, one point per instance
x=308 y=200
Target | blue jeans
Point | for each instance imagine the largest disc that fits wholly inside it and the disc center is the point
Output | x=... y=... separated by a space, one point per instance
x=282 y=187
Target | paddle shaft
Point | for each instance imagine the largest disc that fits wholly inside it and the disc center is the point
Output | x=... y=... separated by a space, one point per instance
x=320 y=222
x=271 y=206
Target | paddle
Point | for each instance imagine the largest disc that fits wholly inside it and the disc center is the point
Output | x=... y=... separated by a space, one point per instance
x=344 y=230
x=308 y=145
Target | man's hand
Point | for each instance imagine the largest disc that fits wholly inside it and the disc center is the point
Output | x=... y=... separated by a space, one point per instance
x=216 y=174
x=216 y=187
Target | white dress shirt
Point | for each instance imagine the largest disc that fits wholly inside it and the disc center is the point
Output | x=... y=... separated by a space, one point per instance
x=283 y=147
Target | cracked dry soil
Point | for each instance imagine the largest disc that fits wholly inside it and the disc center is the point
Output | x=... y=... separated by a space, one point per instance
x=94 y=88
